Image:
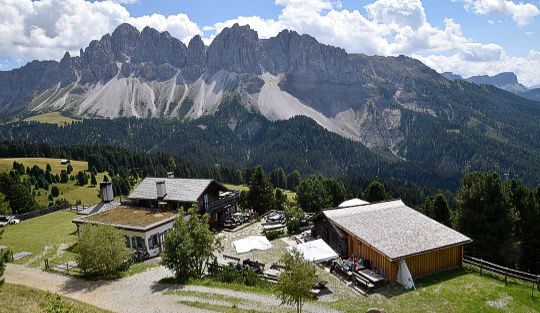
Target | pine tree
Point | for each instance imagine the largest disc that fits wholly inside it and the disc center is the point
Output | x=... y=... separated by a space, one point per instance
x=441 y=210
x=261 y=193
x=485 y=215
x=375 y=192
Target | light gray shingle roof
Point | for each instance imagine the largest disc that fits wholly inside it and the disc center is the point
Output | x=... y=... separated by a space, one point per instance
x=394 y=229
x=178 y=189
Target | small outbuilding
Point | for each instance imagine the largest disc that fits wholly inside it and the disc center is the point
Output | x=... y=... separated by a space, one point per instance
x=387 y=233
x=143 y=229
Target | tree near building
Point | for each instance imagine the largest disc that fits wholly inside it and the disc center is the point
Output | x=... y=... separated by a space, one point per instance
x=484 y=214
x=438 y=209
x=261 y=192
x=375 y=192
x=294 y=217
x=101 y=250
x=189 y=245
x=296 y=280
x=311 y=194
x=530 y=233
x=280 y=200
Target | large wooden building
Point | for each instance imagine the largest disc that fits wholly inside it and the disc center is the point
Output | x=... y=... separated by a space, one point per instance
x=386 y=233
x=174 y=193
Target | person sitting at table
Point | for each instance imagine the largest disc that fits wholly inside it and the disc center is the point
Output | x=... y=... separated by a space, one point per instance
x=238 y=267
x=382 y=273
x=376 y=270
x=360 y=262
x=355 y=265
x=351 y=257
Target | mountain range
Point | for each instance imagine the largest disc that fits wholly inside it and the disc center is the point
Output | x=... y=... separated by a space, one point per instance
x=507 y=81
x=394 y=104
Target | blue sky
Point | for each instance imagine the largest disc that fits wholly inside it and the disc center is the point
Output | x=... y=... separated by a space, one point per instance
x=469 y=37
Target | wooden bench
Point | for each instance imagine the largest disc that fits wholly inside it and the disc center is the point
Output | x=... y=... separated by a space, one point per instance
x=362 y=281
x=232 y=258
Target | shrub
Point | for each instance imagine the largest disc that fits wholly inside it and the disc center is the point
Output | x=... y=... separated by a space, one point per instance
x=101 y=250
x=272 y=235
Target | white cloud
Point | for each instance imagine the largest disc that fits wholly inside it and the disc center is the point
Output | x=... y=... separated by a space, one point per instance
x=391 y=27
x=402 y=13
x=521 y=13
x=526 y=67
x=179 y=26
x=46 y=29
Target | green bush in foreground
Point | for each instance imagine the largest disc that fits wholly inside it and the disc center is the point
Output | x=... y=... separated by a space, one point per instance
x=101 y=250
x=189 y=245
x=296 y=280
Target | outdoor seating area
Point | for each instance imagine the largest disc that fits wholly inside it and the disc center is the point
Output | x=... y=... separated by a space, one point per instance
x=359 y=272
x=274 y=222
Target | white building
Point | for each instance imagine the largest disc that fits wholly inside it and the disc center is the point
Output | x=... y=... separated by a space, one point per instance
x=144 y=229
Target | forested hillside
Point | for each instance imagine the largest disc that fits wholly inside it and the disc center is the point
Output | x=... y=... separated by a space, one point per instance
x=437 y=153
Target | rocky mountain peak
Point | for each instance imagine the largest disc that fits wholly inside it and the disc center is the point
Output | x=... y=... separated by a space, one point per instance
x=159 y=48
x=235 y=49
x=124 y=41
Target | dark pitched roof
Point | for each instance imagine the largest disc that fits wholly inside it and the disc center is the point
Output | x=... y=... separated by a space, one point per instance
x=394 y=229
x=177 y=189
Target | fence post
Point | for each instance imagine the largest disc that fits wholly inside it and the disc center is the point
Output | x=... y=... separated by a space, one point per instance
x=506 y=276
x=481 y=267
x=538 y=282
x=46 y=264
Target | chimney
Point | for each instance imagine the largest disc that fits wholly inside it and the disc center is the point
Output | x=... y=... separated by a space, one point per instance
x=106 y=191
x=161 y=189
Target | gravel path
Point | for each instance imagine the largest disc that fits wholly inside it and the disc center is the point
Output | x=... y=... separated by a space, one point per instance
x=137 y=293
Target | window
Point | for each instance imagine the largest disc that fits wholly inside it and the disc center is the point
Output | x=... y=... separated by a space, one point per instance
x=137 y=243
x=140 y=243
x=127 y=241
x=153 y=241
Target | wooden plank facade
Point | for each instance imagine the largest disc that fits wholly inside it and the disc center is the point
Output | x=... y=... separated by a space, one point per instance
x=419 y=265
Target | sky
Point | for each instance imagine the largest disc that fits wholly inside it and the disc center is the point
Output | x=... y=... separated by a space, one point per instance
x=467 y=37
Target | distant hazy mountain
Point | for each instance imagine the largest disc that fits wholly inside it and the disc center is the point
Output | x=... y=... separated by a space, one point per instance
x=507 y=81
x=394 y=103
x=451 y=76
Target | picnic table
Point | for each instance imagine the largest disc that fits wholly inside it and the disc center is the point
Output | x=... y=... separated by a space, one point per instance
x=371 y=276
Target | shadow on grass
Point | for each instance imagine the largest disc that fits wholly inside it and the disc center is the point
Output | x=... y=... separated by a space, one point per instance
x=433 y=279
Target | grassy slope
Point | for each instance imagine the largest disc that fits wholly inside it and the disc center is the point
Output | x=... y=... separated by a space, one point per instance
x=44 y=237
x=15 y=298
x=290 y=194
x=88 y=195
x=51 y=118
x=6 y=164
x=459 y=290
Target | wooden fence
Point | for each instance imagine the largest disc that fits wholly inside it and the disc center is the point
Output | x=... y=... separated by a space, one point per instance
x=503 y=271
x=41 y=212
